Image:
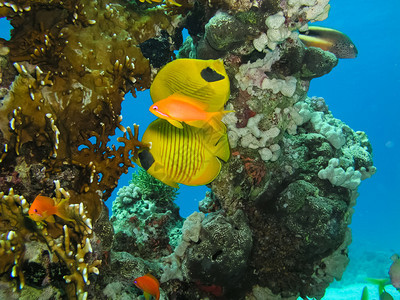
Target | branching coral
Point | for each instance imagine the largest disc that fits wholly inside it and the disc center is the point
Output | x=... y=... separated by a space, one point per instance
x=72 y=253
x=13 y=233
x=16 y=229
x=153 y=188
x=74 y=61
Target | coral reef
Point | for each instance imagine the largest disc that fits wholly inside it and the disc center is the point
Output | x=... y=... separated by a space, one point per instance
x=145 y=217
x=275 y=224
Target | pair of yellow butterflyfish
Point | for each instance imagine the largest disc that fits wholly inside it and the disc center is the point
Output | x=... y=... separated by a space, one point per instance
x=188 y=140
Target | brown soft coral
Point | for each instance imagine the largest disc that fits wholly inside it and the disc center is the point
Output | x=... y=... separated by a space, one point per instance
x=75 y=60
x=13 y=233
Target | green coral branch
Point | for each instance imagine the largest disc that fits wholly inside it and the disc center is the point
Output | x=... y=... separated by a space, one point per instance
x=152 y=188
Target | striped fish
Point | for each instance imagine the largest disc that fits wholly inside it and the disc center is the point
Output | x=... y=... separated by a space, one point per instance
x=330 y=40
x=190 y=155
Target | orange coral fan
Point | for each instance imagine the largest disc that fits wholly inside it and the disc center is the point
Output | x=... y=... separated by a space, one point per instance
x=254 y=168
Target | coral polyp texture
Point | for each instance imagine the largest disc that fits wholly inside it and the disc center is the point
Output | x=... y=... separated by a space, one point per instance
x=275 y=223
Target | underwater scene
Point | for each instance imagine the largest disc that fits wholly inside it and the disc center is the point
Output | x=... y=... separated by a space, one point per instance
x=199 y=149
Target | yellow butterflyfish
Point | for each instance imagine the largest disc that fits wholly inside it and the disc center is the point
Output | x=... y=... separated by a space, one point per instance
x=204 y=80
x=190 y=155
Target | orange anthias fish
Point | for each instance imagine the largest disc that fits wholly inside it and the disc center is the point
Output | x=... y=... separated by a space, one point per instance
x=149 y=285
x=179 y=108
x=43 y=208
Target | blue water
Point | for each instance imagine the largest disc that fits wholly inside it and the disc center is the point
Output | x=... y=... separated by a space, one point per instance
x=364 y=93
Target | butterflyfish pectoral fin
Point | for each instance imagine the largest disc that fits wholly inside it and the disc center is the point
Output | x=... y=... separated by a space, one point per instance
x=165 y=179
x=176 y=123
x=158 y=170
x=158 y=167
x=197 y=123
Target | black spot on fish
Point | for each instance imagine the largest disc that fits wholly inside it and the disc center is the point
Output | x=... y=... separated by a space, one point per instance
x=146 y=159
x=211 y=75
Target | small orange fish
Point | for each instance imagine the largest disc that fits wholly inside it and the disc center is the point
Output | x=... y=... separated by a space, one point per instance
x=179 y=108
x=43 y=208
x=149 y=285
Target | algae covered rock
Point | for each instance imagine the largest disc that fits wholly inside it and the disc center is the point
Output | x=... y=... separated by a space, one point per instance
x=222 y=251
x=317 y=62
x=145 y=217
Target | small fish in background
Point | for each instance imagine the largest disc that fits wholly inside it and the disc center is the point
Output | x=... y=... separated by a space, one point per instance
x=204 y=80
x=330 y=40
x=149 y=285
x=394 y=271
x=43 y=208
x=385 y=296
x=190 y=155
x=178 y=108
x=381 y=283
x=159 y=1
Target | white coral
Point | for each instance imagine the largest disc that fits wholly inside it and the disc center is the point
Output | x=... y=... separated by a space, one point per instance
x=314 y=10
x=286 y=86
x=350 y=178
x=333 y=134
